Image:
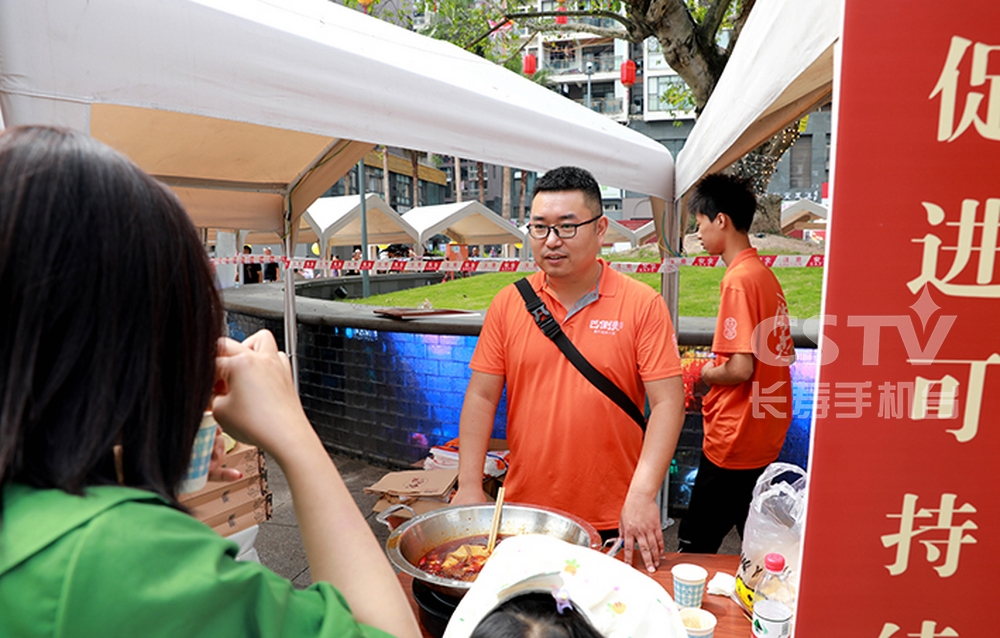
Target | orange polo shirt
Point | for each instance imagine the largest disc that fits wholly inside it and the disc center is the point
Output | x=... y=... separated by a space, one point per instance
x=745 y=427
x=572 y=448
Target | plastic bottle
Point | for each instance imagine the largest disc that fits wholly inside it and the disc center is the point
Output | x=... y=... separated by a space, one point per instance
x=773 y=601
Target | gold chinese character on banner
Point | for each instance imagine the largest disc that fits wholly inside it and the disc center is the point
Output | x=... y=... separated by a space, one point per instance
x=963 y=249
x=948 y=89
x=943 y=532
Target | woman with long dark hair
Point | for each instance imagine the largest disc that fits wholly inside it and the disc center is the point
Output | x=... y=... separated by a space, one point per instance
x=110 y=339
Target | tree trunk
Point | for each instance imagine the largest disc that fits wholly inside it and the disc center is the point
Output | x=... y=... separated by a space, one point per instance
x=386 y=182
x=415 y=171
x=689 y=51
x=521 y=203
x=458 y=179
x=482 y=183
x=758 y=165
x=505 y=210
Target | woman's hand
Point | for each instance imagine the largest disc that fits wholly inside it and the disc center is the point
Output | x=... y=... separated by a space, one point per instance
x=255 y=398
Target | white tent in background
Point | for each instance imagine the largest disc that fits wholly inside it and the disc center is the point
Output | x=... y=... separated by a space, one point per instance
x=644 y=233
x=781 y=68
x=337 y=221
x=464 y=222
x=618 y=233
x=250 y=109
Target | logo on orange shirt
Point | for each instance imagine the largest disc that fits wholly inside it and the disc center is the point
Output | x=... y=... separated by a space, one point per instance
x=606 y=326
x=729 y=328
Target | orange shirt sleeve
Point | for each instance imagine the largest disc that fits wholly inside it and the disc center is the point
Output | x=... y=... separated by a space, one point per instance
x=736 y=321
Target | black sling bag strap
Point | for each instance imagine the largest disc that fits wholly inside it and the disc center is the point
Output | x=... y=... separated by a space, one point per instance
x=536 y=307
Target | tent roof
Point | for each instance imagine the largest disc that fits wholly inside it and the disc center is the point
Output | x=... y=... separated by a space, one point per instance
x=644 y=232
x=338 y=220
x=241 y=104
x=617 y=232
x=781 y=68
x=465 y=222
x=802 y=208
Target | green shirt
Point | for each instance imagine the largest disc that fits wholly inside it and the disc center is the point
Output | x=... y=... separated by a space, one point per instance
x=121 y=562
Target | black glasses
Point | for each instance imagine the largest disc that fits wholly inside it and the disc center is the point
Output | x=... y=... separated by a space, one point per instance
x=563 y=231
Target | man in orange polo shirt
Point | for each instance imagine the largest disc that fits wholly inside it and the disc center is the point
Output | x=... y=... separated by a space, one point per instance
x=572 y=448
x=749 y=407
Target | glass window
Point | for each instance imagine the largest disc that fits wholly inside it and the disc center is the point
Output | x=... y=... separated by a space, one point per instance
x=403 y=191
x=668 y=93
x=800 y=163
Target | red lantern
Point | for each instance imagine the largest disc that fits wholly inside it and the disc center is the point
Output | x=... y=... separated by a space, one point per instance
x=530 y=64
x=561 y=19
x=628 y=73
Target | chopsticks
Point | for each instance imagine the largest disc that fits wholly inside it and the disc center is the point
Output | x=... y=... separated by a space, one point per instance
x=495 y=526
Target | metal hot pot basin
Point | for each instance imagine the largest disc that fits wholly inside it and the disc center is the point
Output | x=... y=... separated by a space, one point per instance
x=412 y=540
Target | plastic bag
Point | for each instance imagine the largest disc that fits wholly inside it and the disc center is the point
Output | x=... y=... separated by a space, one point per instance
x=774 y=524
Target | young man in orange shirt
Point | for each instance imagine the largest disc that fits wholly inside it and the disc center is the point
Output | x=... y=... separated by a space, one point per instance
x=572 y=448
x=748 y=409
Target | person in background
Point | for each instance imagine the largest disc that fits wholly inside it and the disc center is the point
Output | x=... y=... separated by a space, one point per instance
x=749 y=405
x=357 y=256
x=251 y=272
x=94 y=542
x=270 y=268
x=572 y=448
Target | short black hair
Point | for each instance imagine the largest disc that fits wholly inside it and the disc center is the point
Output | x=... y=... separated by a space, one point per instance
x=571 y=178
x=110 y=338
x=722 y=193
x=534 y=615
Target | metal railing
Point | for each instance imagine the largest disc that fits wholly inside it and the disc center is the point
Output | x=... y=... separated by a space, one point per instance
x=604 y=105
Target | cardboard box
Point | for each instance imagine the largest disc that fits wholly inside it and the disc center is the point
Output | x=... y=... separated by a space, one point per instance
x=426 y=483
x=235 y=522
x=245 y=458
x=228 y=496
x=422 y=490
x=229 y=507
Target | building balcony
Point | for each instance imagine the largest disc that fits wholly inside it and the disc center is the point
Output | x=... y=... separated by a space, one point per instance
x=604 y=105
x=602 y=64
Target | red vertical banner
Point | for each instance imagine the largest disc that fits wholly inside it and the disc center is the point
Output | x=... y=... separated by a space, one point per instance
x=902 y=535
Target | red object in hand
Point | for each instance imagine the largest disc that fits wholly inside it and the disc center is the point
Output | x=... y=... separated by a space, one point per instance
x=530 y=64
x=628 y=73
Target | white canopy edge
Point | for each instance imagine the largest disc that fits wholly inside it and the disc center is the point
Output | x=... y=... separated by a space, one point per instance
x=330 y=74
x=780 y=69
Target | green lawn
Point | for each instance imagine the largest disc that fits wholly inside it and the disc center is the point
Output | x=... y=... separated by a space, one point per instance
x=699 y=290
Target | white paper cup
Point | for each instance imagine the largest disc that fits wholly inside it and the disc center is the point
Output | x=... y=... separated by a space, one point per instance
x=201 y=456
x=689 y=584
x=699 y=623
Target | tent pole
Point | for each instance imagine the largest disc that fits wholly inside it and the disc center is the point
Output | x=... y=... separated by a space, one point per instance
x=365 y=283
x=670 y=281
x=291 y=326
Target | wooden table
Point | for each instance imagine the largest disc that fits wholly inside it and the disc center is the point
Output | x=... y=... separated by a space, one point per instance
x=732 y=622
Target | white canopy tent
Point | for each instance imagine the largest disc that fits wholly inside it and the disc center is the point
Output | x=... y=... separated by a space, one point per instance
x=465 y=222
x=780 y=69
x=337 y=221
x=250 y=109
